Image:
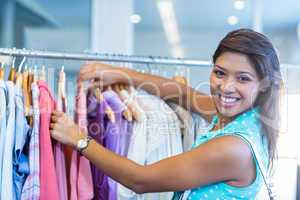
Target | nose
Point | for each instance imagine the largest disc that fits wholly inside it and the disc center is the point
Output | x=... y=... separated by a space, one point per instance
x=227 y=86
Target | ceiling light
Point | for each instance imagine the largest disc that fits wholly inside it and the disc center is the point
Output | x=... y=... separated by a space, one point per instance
x=239 y=4
x=298 y=30
x=169 y=22
x=135 y=19
x=167 y=14
x=232 y=20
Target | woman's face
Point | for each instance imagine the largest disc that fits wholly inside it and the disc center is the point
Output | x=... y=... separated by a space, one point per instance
x=234 y=84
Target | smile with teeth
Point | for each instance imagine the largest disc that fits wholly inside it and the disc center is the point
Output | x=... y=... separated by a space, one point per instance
x=228 y=100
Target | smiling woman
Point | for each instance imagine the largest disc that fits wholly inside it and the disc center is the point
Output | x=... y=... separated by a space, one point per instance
x=244 y=82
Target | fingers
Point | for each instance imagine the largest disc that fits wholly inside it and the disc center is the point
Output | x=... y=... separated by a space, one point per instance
x=97 y=84
x=55 y=119
x=52 y=126
x=57 y=113
x=90 y=71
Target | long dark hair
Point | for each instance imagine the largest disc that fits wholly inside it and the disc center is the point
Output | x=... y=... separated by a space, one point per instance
x=264 y=59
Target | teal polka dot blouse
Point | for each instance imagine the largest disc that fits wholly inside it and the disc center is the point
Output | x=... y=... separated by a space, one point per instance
x=248 y=125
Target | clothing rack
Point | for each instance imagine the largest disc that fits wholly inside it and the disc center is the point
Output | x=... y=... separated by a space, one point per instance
x=102 y=57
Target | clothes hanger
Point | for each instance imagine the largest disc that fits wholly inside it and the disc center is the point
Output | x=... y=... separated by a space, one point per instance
x=35 y=74
x=29 y=91
x=2 y=71
x=42 y=75
x=62 y=87
x=26 y=97
x=12 y=73
x=128 y=93
x=127 y=112
x=18 y=76
x=180 y=77
x=108 y=110
x=61 y=83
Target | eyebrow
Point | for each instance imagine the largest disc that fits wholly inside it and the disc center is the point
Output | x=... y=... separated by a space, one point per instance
x=240 y=72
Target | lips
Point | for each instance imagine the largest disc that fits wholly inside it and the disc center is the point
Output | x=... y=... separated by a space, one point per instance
x=228 y=101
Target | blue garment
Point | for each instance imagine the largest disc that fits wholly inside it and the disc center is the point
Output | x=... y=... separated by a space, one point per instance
x=2 y=124
x=248 y=125
x=20 y=160
x=7 y=188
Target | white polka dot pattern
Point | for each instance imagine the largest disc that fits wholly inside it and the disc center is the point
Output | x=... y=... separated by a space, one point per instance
x=248 y=125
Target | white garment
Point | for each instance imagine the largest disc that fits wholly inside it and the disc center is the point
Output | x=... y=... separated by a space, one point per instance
x=200 y=124
x=155 y=137
x=192 y=125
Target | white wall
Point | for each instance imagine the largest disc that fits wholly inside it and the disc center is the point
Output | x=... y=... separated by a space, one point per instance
x=201 y=45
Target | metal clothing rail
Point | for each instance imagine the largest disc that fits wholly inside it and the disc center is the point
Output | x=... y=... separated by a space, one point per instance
x=101 y=57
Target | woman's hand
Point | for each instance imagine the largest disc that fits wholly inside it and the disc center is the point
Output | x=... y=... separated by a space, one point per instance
x=103 y=74
x=64 y=130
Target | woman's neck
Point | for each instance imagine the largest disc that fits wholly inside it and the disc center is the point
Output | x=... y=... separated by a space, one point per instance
x=222 y=121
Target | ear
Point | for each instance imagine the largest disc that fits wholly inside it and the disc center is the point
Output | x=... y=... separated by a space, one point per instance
x=264 y=85
x=263 y=89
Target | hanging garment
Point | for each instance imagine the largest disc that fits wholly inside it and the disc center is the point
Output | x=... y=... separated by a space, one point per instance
x=3 y=123
x=59 y=158
x=200 y=124
x=160 y=139
x=117 y=135
x=192 y=125
x=31 y=188
x=113 y=136
x=187 y=126
x=22 y=131
x=81 y=181
x=49 y=184
x=7 y=188
x=96 y=126
x=136 y=152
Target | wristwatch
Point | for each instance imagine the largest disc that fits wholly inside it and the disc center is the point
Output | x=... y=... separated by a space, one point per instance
x=83 y=143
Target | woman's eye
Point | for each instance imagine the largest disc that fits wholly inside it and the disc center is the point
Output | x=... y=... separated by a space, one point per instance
x=219 y=73
x=243 y=78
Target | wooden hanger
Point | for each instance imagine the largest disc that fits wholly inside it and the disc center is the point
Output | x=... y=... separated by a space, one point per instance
x=108 y=110
x=132 y=104
x=18 y=75
x=179 y=77
x=12 y=73
x=25 y=88
x=127 y=113
x=29 y=90
x=2 y=71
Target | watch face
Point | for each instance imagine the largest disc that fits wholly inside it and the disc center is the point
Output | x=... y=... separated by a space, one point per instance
x=82 y=144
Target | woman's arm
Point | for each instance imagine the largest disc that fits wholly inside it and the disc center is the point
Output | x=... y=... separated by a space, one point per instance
x=221 y=159
x=167 y=89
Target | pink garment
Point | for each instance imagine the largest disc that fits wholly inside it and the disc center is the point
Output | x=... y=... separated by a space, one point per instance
x=60 y=160
x=80 y=176
x=49 y=184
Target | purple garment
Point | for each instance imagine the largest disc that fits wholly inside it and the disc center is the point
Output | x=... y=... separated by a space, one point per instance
x=96 y=123
x=117 y=135
x=114 y=136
